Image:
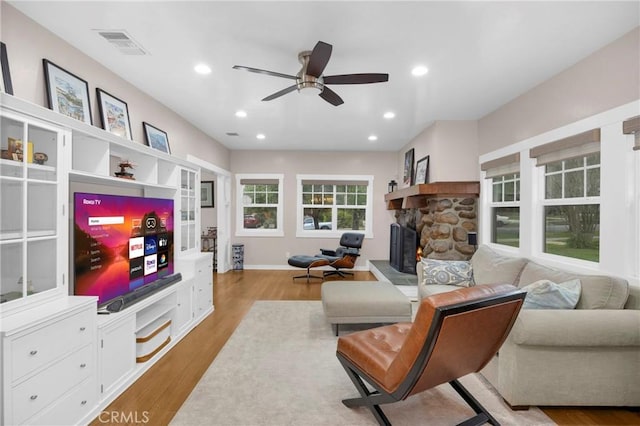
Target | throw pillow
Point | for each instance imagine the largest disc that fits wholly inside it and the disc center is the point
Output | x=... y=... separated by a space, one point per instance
x=448 y=272
x=545 y=294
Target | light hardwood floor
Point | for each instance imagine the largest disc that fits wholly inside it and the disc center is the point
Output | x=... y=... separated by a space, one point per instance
x=158 y=394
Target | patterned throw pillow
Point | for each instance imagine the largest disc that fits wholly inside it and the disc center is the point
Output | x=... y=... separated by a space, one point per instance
x=545 y=294
x=447 y=272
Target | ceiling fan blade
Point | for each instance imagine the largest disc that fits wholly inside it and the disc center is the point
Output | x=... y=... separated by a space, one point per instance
x=331 y=96
x=281 y=92
x=356 y=78
x=259 y=71
x=319 y=58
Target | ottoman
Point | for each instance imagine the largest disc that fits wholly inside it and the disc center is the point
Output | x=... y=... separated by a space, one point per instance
x=308 y=262
x=364 y=302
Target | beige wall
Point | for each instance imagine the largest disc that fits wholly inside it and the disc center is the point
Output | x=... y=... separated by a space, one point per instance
x=260 y=251
x=452 y=147
x=608 y=78
x=28 y=43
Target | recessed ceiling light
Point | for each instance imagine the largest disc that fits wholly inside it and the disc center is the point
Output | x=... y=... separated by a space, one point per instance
x=202 y=69
x=389 y=115
x=260 y=136
x=241 y=114
x=373 y=138
x=420 y=70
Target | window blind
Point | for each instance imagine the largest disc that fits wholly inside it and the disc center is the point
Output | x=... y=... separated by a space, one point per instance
x=501 y=166
x=563 y=149
x=630 y=126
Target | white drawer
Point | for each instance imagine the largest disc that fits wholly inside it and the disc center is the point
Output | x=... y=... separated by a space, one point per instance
x=71 y=408
x=36 y=349
x=42 y=389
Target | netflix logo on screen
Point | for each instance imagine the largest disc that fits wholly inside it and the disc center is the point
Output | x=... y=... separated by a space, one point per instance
x=136 y=247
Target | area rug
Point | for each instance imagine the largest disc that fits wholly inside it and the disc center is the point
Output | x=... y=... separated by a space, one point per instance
x=279 y=368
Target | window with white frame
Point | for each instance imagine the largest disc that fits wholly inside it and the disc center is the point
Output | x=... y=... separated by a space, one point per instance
x=505 y=199
x=259 y=204
x=330 y=205
x=571 y=201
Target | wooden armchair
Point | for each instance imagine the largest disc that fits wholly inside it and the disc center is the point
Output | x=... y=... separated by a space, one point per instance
x=454 y=334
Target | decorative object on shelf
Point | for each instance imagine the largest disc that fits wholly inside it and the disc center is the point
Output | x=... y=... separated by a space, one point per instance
x=206 y=194
x=16 y=149
x=408 y=167
x=5 y=155
x=156 y=138
x=5 y=77
x=40 y=158
x=393 y=185
x=123 y=173
x=67 y=93
x=422 y=171
x=114 y=114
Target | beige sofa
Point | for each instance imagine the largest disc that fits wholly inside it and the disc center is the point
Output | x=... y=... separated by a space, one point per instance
x=589 y=355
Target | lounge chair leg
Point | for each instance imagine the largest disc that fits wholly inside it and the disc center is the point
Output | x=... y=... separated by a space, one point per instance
x=368 y=399
x=483 y=415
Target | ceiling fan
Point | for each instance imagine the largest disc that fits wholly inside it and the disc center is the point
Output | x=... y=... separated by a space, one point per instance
x=310 y=75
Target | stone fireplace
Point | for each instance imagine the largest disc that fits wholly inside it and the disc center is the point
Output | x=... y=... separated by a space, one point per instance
x=442 y=216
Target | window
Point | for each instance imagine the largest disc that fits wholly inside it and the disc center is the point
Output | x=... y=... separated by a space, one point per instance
x=572 y=207
x=259 y=205
x=505 y=210
x=571 y=197
x=331 y=205
x=504 y=173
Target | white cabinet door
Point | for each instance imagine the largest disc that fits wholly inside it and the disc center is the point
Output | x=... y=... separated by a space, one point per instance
x=184 y=311
x=116 y=352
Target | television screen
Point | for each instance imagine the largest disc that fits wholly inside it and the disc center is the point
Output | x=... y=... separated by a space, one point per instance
x=121 y=243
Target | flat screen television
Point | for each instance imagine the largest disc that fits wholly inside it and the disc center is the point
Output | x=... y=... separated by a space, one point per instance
x=121 y=244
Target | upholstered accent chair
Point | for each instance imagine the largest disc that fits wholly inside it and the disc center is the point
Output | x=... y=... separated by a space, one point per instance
x=453 y=334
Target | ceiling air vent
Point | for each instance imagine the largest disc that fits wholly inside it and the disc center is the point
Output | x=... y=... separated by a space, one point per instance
x=232 y=134
x=122 y=41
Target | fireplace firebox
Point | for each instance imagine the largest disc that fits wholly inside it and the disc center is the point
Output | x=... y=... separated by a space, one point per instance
x=403 y=246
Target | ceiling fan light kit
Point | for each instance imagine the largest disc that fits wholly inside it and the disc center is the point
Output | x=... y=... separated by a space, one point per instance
x=310 y=75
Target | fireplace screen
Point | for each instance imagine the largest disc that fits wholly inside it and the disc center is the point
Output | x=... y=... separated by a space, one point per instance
x=403 y=245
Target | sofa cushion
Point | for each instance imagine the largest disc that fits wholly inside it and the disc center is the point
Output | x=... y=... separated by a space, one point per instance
x=490 y=267
x=447 y=272
x=545 y=294
x=598 y=291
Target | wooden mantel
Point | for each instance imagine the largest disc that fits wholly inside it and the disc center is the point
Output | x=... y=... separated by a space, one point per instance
x=417 y=196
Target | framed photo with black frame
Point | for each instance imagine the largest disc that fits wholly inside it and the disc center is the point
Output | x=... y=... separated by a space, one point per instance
x=156 y=138
x=408 y=167
x=207 y=194
x=67 y=93
x=422 y=171
x=5 y=75
x=114 y=114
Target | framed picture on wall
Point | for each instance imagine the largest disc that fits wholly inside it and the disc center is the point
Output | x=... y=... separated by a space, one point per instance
x=206 y=194
x=408 y=167
x=5 y=75
x=156 y=138
x=422 y=171
x=67 y=93
x=114 y=114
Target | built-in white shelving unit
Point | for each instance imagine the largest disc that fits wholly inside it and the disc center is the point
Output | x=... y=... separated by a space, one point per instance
x=62 y=363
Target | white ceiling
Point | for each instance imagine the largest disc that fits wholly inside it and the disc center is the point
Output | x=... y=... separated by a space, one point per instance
x=480 y=55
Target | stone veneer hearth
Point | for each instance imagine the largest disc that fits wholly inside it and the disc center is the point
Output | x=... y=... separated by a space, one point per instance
x=443 y=225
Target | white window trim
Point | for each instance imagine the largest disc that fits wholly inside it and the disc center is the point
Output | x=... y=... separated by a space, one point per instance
x=619 y=173
x=303 y=233
x=240 y=230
